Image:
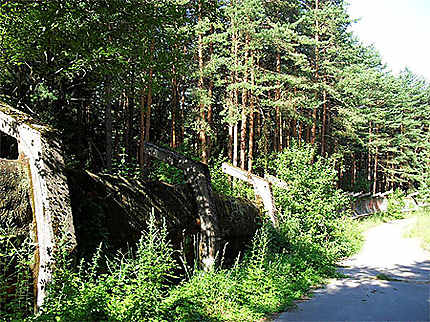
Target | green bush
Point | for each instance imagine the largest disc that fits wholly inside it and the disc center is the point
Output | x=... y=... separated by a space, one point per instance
x=131 y=290
x=282 y=264
x=170 y=174
x=16 y=286
x=396 y=204
x=226 y=185
x=264 y=282
x=312 y=208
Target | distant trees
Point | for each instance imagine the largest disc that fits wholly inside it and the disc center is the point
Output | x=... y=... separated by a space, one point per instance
x=232 y=78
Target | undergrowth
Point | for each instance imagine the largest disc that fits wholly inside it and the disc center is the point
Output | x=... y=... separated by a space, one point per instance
x=280 y=265
x=16 y=291
x=421 y=228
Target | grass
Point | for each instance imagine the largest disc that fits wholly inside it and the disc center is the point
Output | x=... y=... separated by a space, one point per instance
x=421 y=228
x=365 y=223
x=275 y=273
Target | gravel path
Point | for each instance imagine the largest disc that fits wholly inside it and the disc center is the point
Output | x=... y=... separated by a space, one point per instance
x=402 y=295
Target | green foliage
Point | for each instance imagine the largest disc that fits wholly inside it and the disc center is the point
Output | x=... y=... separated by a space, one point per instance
x=264 y=282
x=424 y=177
x=170 y=174
x=124 y=167
x=131 y=290
x=279 y=266
x=226 y=185
x=16 y=286
x=396 y=204
x=421 y=228
x=221 y=182
x=67 y=61
x=312 y=208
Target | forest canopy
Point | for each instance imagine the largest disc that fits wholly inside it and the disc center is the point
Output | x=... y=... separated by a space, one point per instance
x=227 y=80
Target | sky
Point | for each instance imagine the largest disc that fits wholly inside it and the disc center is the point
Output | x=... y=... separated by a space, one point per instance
x=399 y=29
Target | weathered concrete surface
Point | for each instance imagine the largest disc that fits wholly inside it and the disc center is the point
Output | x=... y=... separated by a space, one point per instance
x=114 y=211
x=15 y=206
x=49 y=192
x=363 y=297
x=262 y=188
x=198 y=177
x=366 y=204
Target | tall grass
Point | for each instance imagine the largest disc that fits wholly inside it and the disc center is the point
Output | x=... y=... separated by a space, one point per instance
x=421 y=228
x=16 y=291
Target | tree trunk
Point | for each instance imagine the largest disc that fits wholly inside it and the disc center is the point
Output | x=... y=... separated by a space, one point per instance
x=128 y=125
x=315 y=111
x=375 y=167
x=210 y=94
x=142 y=129
x=277 y=137
x=108 y=123
x=251 y=116
x=235 y=98
x=145 y=117
x=300 y=134
x=244 y=110
x=230 y=142
x=369 y=156
x=324 y=123
x=149 y=104
x=235 y=145
x=230 y=124
x=243 y=131
x=354 y=170
x=175 y=104
x=294 y=119
x=202 y=107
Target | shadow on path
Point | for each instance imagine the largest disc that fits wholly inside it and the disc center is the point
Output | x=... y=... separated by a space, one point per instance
x=384 y=283
x=418 y=272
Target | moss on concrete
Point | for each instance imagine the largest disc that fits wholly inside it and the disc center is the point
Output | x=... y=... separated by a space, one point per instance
x=23 y=118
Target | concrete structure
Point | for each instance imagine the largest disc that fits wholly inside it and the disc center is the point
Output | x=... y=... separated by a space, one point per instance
x=198 y=176
x=262 y=188
x=49 y=191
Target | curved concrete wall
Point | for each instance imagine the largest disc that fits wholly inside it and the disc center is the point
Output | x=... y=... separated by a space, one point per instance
x=50 y=193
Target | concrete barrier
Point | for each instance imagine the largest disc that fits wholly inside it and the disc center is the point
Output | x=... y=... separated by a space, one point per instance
x=49 y=192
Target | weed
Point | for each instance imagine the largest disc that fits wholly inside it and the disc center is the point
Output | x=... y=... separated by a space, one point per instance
x=280 y=266
x=421 y=228
x=16 y=258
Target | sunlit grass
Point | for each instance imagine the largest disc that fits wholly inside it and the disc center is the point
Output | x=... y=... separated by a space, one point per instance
x=421 y=228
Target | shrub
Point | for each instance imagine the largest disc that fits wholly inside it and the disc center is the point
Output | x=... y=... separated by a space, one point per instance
x=312 y=208
x=16 y=287
x=132 y=289
x=396 y=204
x=227 y=185
x=265 y=281
x=279 y=266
